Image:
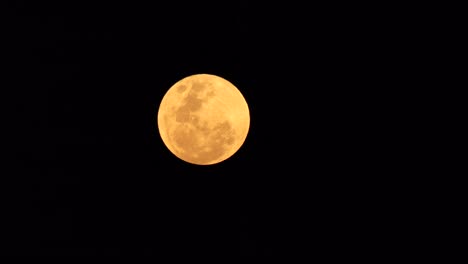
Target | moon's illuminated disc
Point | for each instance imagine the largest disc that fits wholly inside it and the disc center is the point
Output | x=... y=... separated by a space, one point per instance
x=203 y=119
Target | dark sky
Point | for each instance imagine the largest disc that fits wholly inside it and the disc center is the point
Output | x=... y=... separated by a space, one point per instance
x=91 y=176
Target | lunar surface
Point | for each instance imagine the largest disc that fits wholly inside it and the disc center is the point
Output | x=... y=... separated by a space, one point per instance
x=203 y=119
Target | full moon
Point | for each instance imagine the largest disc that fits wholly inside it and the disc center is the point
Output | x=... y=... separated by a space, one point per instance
x=203 y=119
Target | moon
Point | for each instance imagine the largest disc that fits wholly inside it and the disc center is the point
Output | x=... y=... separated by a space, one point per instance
x=203 y=119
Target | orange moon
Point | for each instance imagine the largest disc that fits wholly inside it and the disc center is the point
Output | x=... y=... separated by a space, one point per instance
x=203 y=119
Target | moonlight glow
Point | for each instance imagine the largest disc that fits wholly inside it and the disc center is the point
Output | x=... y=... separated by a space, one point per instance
x=203 y=119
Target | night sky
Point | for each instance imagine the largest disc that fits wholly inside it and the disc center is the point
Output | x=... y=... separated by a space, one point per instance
x=91 y=176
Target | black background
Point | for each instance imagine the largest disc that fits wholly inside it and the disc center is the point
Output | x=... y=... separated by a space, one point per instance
x=91 y=176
